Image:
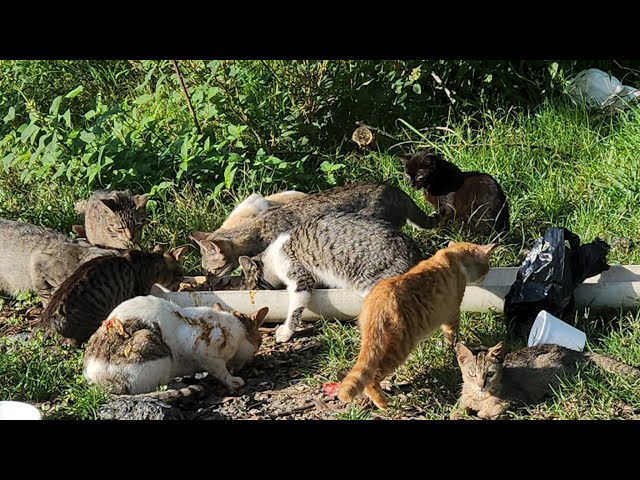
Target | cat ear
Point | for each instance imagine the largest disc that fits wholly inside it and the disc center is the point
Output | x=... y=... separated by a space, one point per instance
x=404 y=157
x=497 y=352
x=158 y=248
x=202 y=239
x=110 y=203
x=487 y=249
x=259 y=316
x=79 y=231
x=246 y=264
x=218 y=307
x=451 y=243
x=219 y=245
x=463 y=354
x=178 y=253
x=140 y=201
x=199 y=236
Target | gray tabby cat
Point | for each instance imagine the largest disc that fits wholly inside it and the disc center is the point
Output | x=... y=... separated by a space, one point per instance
x=336 y=250
x=220 y=250
x=113 y=219
x=39 y=259
x=86 y=298
x=493 y=382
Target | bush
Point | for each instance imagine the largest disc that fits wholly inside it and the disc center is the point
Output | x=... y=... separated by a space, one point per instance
x=125 y=124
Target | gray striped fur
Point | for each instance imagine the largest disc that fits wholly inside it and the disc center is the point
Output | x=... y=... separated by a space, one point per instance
x=39 y=259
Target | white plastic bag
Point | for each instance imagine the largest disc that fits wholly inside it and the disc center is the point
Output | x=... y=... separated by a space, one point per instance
x=597 y=89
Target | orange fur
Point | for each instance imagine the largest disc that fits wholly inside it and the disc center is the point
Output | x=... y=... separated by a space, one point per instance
x=400 y=311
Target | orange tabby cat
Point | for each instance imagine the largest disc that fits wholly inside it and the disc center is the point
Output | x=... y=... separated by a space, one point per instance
x=400 y=311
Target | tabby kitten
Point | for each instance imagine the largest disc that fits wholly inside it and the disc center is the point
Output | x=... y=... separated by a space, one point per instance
x=220 y=250
x=337 y=250
x=493 y=382
x=113 y=219
x=85 y=299
x=39 y=259
x=458 y=197
x=254 y=204
x=147 y=341
x=400 y=311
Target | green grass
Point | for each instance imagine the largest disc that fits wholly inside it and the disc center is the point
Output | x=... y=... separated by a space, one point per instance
x=558 y=167
x=41 y=371
x=428 y=384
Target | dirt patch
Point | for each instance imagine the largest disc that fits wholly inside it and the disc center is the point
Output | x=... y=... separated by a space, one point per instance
x=16 y=322
x=275 y=388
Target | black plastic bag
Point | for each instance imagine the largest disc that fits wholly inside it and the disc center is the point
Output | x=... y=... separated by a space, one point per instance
x=549 y=275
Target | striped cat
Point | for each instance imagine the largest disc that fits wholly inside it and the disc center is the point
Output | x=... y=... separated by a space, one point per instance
x=39 y=259
x=147 y=341
x=495 y=382
x=377 y=200
x=84 y=300
x=337 y=250
x=112 y=219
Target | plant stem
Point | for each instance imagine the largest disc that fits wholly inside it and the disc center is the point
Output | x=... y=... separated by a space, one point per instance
x=185 y=92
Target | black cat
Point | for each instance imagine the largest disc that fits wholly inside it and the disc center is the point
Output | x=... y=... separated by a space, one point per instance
x=458 y=197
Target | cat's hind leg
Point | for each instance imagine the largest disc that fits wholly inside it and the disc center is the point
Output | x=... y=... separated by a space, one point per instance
x=300 y=284
x=43 y=283
x=217 y=367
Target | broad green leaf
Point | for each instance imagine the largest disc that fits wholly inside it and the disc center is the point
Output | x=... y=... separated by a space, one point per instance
x=66 y=116
x=92 y=171
x=27 y=133
x=86 y=158
x=11 y=114
x=75 y=92
x=87 y=137
x=216 y=191
x=142 y=99
x=7 y=160
x=55 y=105
x=59 y=172
x=229 y=174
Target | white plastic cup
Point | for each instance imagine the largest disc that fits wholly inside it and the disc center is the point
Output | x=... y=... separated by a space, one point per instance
x=18 y=411
x=549 y=329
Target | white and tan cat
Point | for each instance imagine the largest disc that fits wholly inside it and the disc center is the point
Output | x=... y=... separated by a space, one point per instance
x=254 y=204
x=148 y=341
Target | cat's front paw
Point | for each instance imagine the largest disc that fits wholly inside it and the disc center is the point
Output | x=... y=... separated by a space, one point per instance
x=283 y=334
x=492 y=414
x=235 y=383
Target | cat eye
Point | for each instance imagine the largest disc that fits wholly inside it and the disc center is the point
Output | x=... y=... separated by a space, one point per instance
x=490 y=374
x=472 y=375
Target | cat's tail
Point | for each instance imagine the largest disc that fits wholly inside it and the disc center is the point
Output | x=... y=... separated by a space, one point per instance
x=612 y=365
x=366 y=367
